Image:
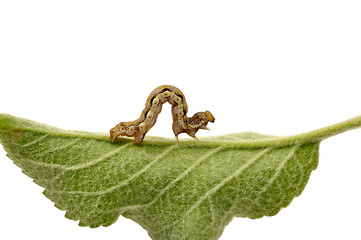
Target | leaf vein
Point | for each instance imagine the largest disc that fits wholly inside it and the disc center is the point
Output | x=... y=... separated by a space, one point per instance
x=37 y=140
x=80 y=166
x=59 y=148
x=186 y=172
x=278 y=170
x=103 y=157
x=206 y=156
x=51 y=165
x=143 y=170
x=218 y=186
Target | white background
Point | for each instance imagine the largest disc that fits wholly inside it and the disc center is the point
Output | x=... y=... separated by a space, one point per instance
x=275 y=67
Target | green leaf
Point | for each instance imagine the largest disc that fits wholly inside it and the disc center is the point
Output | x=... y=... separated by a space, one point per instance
x=185 y=190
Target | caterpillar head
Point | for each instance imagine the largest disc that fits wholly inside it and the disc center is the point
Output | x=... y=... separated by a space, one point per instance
x=200 y=119
x=194 y=123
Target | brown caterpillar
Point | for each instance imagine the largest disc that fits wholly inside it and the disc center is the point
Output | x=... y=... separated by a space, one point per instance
x=153 y=106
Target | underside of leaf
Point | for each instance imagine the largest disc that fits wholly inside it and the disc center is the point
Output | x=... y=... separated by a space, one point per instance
x=185 y=190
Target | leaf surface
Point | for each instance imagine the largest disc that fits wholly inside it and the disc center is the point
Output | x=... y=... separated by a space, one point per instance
x=185 y=190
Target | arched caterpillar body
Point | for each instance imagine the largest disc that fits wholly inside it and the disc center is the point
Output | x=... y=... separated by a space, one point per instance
x=153 y=106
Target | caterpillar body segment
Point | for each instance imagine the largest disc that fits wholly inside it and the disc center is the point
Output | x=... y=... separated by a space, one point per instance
x=153 y=106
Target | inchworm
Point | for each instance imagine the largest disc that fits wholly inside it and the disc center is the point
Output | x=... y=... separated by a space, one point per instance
x=153 y=106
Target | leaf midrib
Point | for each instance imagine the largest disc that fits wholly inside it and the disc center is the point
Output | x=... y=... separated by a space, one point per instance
x=8 y=122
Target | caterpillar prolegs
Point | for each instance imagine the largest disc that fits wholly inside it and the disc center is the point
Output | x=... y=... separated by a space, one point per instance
x=153 y=106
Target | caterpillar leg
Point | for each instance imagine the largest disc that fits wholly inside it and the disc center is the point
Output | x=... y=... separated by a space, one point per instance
x=114 y=133
x=195 y=138
x=139 y=136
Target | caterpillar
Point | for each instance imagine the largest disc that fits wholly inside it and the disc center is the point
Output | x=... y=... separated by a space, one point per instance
x=153 y=106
